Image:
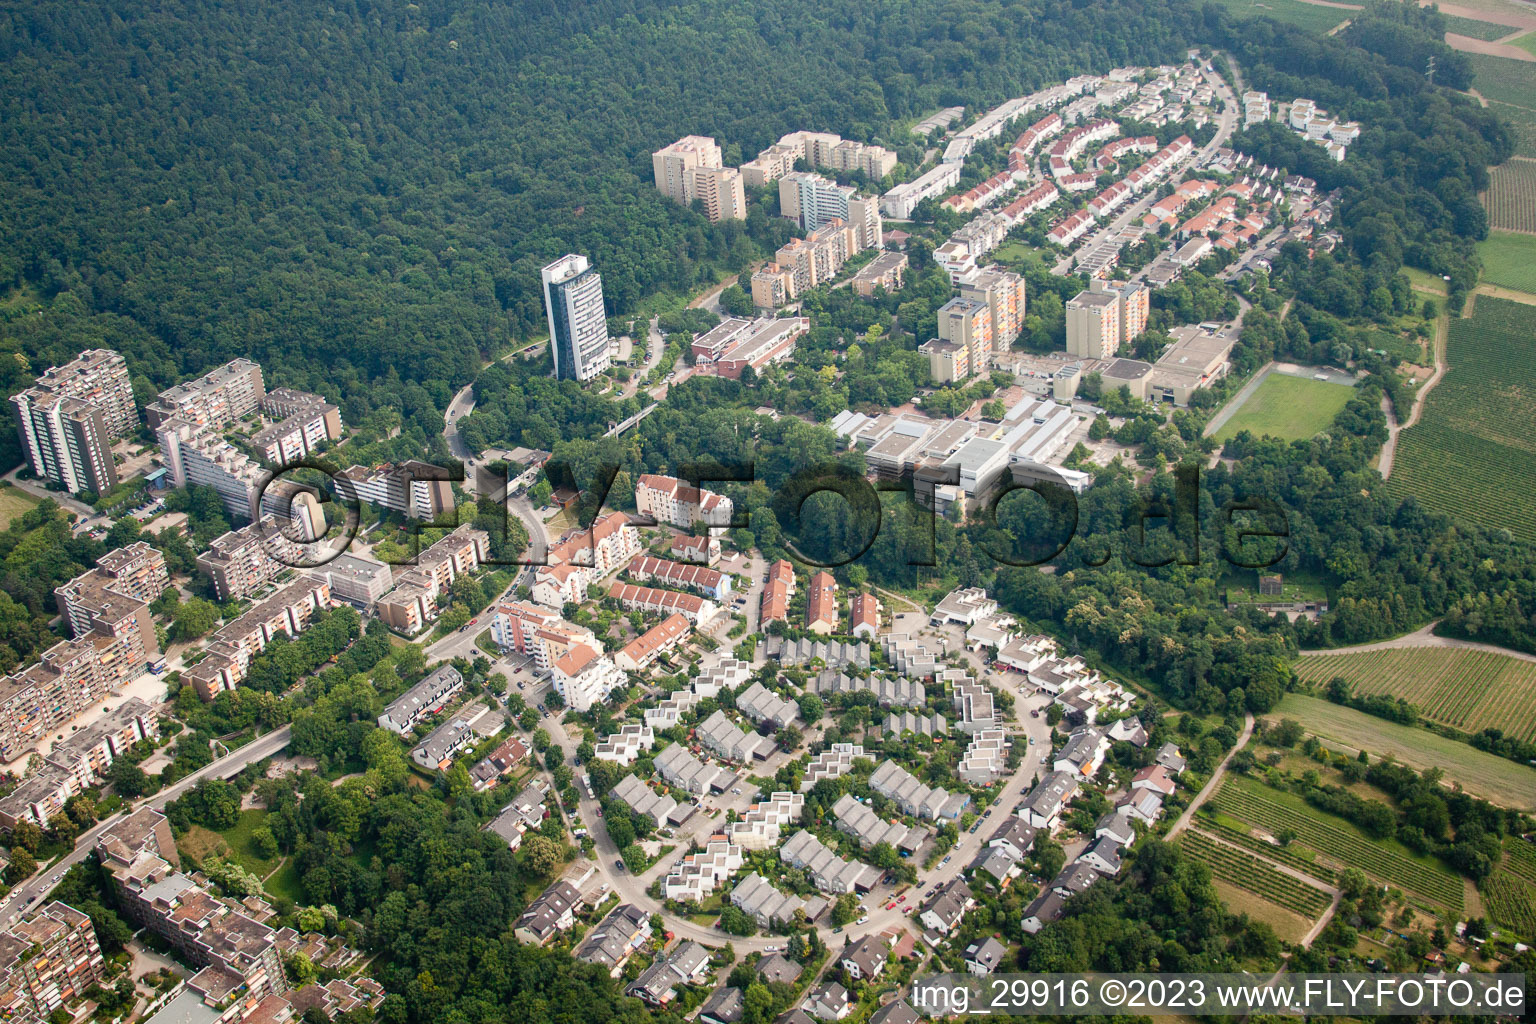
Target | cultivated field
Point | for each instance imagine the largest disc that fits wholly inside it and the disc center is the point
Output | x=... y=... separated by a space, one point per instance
x=1510 y=88
x=1474 y=29
x=1338 y=840
x=1509 y=258
x=1246 y=871
x=1292 y=12
x=13 y=502
x=1287 y=407
x=1511 y=196
x=1493 y=778
x=1467 y=690
x=1510 y=892
x=1473 y=452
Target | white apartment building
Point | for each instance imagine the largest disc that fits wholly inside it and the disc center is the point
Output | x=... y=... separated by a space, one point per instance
x=416 y=489
x=584 y=677
x=578 y=320
x=677 y=503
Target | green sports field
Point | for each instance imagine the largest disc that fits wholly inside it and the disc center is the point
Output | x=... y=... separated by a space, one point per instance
x=1287 y=407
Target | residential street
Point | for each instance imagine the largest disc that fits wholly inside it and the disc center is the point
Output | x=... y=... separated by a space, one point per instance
x=23 y=895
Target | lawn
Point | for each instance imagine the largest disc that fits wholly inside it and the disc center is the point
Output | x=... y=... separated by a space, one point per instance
x=1289 y=926
x=1526 y=42
x=13 y=502
x=1509 y=258
x=1292 y=12
x=1498 y=780
x=200 y=842
x=1287 y=407
x=1472 y=454
x=1424 y=281
x=1467 y=690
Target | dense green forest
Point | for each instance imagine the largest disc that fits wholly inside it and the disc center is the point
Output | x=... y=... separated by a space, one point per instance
x=360 y=195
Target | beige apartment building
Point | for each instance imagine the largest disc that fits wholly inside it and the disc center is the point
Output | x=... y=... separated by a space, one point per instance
x=968 y=322
x=691 y=168
x=1003 y=292
x=947 y=361
x=214 y=399
x=243 y=561
x=1093 y=325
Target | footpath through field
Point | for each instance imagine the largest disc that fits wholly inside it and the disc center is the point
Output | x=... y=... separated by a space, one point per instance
x=1424 y=636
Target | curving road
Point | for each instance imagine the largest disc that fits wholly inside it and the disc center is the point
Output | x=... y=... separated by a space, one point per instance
x=632 y=889
x=40 y=884
x=1226 y=124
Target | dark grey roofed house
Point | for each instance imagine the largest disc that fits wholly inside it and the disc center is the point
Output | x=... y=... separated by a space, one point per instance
x=984 y=956
x=897 y=1011
x=1169 y=757
x=995 y=862
x=615 y=937
x=1117 y=825
x=1104 y=854
x=1046 y=908
x=1075 y=878
x=865 y=958
x=777 y=967
x=724 y=1006
x=1015 y=834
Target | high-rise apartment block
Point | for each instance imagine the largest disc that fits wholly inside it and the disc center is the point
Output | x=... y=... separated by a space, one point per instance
x=66 y=441
x=98 y=377
x=1003 y=292
x=824 y=149
x=121 y=588
x=803 y=263
x=578 y=322
x=416 y=489
x=968 y=322
x=302 y=422
x=228 y=654
x=45 y=960
x=1093 y=325
x=1134 y=300
x=196 y=454
x=214 y=399
x=413 y=602
x=691 y=168
x=242 y=562
x=1108 y=315
x=947 y=361
x=811 y=201
x=69 y=417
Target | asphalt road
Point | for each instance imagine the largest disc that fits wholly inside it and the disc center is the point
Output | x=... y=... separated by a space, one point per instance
x=715 y=810
x=25 y=894
x=1226 y=124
